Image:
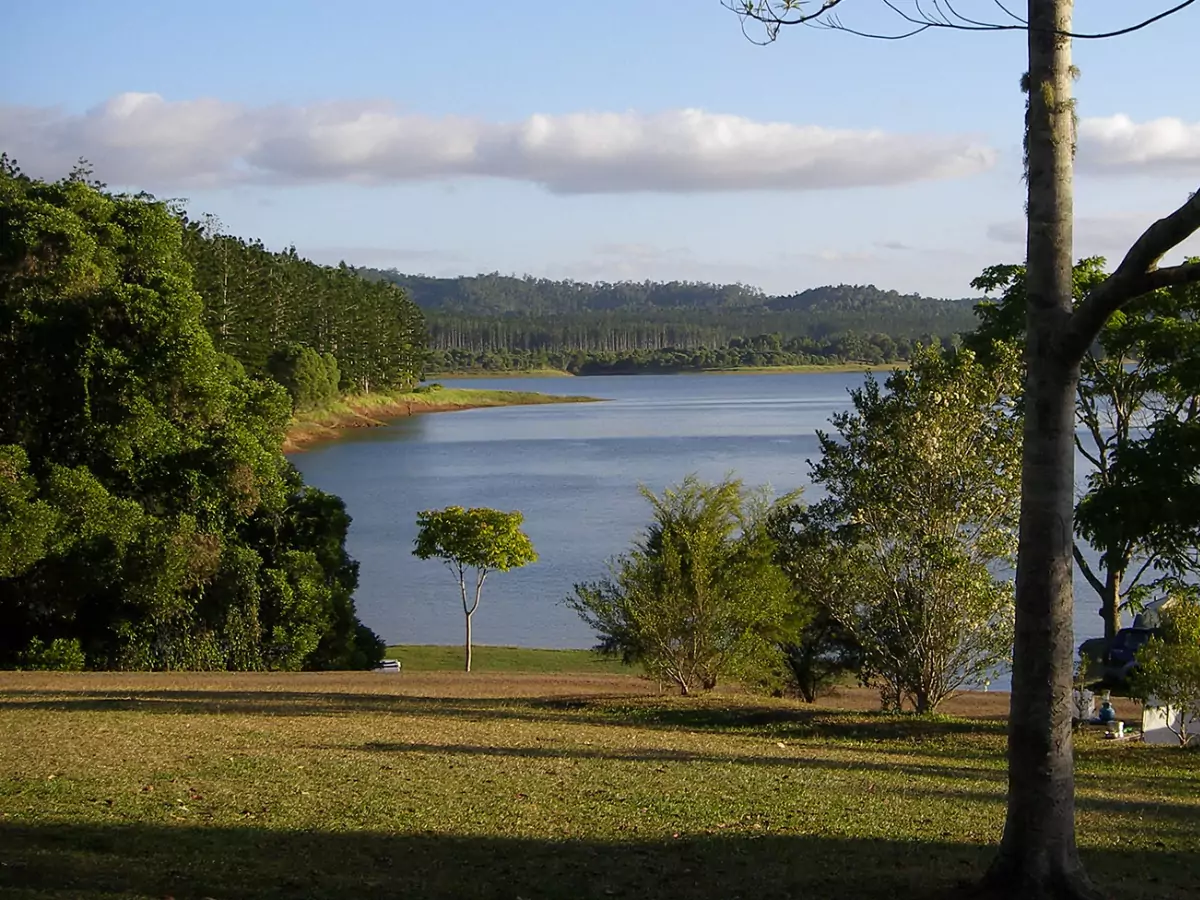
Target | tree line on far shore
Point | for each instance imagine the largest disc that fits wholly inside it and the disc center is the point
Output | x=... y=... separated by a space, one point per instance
x=756 y=351
x=503 y=323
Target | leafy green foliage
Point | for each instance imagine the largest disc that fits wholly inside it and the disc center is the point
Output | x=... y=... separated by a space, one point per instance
x=60 y=655
x=482 y=539
x=146 y=511
x=1168 y=665
x=26 y=524
x=699 y=596
x=922 y=486
x=1138 y=411
x=310 y=379
x=818 y=651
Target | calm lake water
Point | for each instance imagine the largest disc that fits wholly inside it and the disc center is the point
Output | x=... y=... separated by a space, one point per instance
x=574 y=470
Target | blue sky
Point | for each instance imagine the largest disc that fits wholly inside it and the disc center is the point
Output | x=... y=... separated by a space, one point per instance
x=605 y=140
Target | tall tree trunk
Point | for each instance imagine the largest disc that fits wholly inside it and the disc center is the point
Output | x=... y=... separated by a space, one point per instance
x=468 y=644
x=1038 y=856
x=1110 y=600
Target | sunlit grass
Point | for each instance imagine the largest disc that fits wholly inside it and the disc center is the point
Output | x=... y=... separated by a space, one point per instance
x=540 y=785
x=433 y=658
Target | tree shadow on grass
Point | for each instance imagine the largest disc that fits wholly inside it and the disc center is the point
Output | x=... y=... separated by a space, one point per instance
x=801 y=722
x=658 y=755
x=1164 y=818
x=779 y=721
x=190 y=863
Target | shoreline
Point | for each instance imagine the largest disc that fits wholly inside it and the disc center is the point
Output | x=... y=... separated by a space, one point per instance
x=379 y=410
x=807 y=369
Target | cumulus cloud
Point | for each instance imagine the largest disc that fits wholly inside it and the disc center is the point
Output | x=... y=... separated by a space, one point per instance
x=145 y=140
x=1118 y=145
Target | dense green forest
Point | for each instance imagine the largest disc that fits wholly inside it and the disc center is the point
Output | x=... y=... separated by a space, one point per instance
x=258 y=302
x=501 y=322
x=764 y=350
x=148 y=517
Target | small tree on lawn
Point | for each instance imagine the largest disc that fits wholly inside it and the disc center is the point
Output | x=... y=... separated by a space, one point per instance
x=699 y=595
x=1169 y=666
x=482 y=539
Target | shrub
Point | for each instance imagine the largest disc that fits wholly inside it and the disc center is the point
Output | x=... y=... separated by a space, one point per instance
x=311 y=379
x=60 y=655
x=699 y=595
x=1168 y=666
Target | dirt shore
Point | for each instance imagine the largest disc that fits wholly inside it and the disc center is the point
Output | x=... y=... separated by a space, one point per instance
x=374 y=411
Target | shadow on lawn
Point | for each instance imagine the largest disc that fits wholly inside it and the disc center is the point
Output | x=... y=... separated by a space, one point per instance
x=718 y=715
x=188 y=863
x=672 y=755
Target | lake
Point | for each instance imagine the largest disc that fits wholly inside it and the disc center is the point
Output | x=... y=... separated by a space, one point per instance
x=573 y=470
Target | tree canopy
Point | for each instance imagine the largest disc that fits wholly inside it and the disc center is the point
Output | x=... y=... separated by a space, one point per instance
x=147 y=514
x=486 y=540
x=921 y=493
x=1138 y=412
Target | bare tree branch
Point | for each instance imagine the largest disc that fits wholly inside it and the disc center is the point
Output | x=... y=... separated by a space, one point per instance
x=1086 y=569
x=774 y=15
x=1137 y=274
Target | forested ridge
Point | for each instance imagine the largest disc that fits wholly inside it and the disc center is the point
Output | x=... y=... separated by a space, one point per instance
x=498 y=321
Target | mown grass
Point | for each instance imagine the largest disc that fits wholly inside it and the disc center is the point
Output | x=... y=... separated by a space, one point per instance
x=507 y=786
x=433 y=658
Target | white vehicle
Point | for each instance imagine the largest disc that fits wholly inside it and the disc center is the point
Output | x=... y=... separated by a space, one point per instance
x=388 y=665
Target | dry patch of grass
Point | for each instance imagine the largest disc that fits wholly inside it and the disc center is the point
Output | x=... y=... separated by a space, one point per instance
x=444 y=785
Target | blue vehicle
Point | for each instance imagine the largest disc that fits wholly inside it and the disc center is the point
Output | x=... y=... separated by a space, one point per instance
x=1109 y=664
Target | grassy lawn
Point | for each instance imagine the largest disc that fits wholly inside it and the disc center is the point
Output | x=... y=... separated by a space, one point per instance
x=443 y=785
x=432 y=658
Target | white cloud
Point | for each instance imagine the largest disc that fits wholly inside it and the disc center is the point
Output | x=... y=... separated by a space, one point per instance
x=1117 y=145
x=147 y=141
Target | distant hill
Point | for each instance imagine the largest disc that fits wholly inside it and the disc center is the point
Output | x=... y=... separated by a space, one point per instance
x=505 y=322
x=504 y=295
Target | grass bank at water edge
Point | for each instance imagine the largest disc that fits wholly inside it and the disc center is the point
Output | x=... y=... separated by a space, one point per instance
x=373 y=410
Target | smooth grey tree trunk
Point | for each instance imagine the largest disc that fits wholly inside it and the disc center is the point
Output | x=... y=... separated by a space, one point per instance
x=1038 y=856
x=468 y=647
